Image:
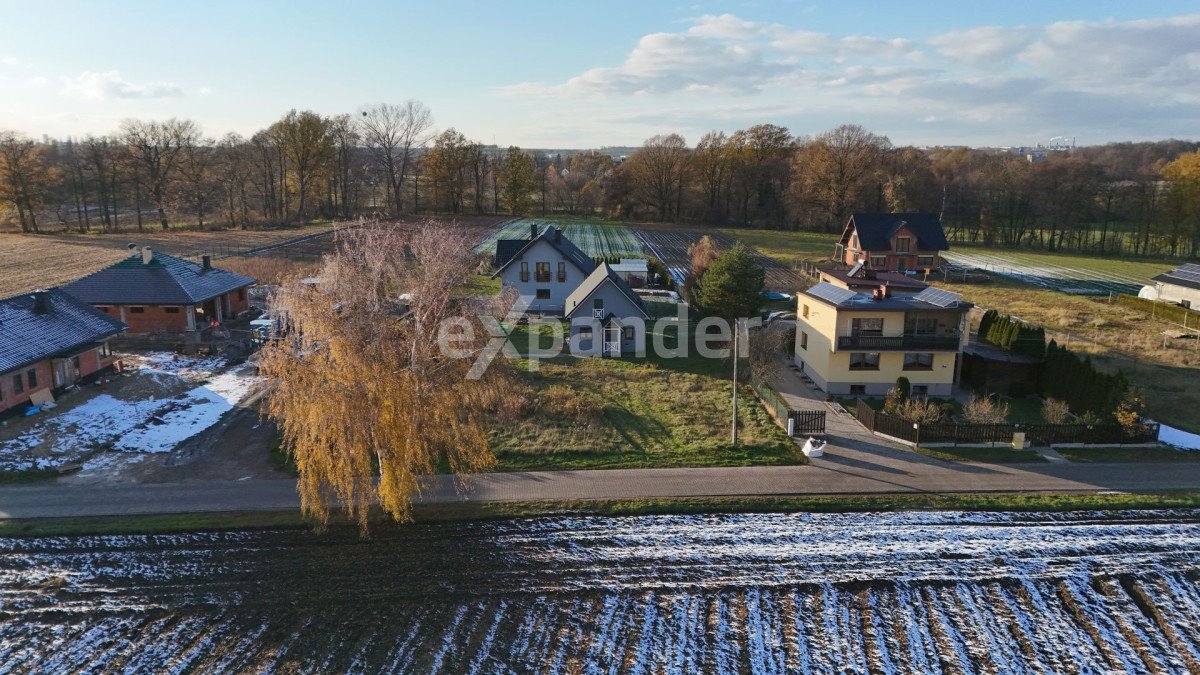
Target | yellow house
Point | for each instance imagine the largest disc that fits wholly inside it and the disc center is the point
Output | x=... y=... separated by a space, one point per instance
x=858 y=343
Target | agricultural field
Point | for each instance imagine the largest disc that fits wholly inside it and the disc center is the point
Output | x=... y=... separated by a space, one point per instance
x=909 y=592
x=597 y=238
x=669 y=243
x=1063 y=272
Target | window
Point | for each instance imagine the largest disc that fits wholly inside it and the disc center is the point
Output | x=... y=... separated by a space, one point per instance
x=804 y=311
x=137 y=310
x=543 y=294
x=171 y=310
x=866 y=326
x=920 y=390
x=803 y=340
x=858 y=390
x=524 y=271
x=18 y=384
x=562 y=272
x=627 y=333
x=879 y=261
x=106 y=310
x=542 y=273
x=242 y=294
x=920 y=326
x=585 y=332
x=32 y=375
x=902 y=244
x=924 y=261
x=918 y=361
x=864 y=361
x=105 y=351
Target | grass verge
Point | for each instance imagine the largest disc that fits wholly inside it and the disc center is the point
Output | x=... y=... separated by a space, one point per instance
x=465 y=511
x=986 y=455
x=30 y=476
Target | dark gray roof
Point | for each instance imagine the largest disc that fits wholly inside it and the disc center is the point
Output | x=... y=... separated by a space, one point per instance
x=601 y=274
x=165 y=280
x=868 y=277
x=553 y=236
x=1187 y=276
x=507 y=248
x=28 y=336
x=875 y=230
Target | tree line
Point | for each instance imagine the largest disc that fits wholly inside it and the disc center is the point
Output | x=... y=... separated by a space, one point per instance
x=1121 y=198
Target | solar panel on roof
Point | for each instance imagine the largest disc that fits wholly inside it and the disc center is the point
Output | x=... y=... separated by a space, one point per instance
x=831 y=293
x=1189 y=272
x=939 y=297
x=855 y=270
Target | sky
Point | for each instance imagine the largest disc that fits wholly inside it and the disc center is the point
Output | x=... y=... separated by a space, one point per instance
x=566 y=74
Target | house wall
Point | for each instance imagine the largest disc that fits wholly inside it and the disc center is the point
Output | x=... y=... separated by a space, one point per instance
x=150 y=319
x=615 y=302
x=830 y=370
x=90 y=363
x=1179 y=294
x=510 y=277
x=239 y=301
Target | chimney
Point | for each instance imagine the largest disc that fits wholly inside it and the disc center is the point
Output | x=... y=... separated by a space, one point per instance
x=147 y=255
x=206 y=262
x=557 y=234
x=41 y=301
x=532 y=231
x=877 y=295
x=887 y=290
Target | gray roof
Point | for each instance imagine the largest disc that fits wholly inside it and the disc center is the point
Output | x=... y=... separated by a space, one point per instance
x=507 y=248
x=601 y=274
x=875 y=230
x=1187 y=276
x=553 y=236
x=28 y=336
x=165 y=280
x=843 y=298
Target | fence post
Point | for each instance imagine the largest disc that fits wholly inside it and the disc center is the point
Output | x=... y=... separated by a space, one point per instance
x=917 y=427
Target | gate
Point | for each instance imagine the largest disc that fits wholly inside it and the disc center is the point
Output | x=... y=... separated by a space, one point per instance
x=807 y=422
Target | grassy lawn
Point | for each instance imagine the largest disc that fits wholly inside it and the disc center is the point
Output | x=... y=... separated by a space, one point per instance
x=30 y=476
x=785 y=246
x=482 y=284
x=1127 y=454
x=986 y=455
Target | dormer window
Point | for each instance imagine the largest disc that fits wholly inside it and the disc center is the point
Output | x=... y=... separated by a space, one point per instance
x=902 y=244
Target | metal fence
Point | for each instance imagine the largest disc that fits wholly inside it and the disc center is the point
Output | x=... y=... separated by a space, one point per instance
x=982 y=434
x=803 y=421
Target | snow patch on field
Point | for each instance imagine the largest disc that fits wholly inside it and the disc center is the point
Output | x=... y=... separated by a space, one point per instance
x=132 y=427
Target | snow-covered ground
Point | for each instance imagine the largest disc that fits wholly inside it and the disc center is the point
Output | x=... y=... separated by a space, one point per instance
x=1184 y=440
x=109 y=428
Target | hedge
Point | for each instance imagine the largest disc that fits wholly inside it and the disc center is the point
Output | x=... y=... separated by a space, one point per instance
x=1161 y=310
x=1012 y=334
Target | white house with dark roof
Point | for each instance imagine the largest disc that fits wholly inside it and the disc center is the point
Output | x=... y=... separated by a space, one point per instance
x=543 y=269
x=607 y=317
x=152 y=291
x=49 y=340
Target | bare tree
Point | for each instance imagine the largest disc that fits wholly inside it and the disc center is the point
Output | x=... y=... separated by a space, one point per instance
x=24 y=177
x=393 y=133
x=660 y=171
x=306 y=143
x=365 y=397
x=156 y=147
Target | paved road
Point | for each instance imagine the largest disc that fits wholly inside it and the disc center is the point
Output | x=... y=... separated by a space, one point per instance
x=856 y=462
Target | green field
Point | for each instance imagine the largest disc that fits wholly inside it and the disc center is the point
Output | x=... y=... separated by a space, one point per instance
x=787 y=247
x=597 y=238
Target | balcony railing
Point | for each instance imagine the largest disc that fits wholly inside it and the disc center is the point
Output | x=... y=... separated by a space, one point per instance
x=879 y=343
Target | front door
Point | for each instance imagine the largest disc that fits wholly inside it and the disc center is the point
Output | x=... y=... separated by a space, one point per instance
x=612 y=339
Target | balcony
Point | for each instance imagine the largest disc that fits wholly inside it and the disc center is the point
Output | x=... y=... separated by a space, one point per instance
x=899 y=343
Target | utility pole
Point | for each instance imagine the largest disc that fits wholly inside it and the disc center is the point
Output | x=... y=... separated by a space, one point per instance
x=733 y=432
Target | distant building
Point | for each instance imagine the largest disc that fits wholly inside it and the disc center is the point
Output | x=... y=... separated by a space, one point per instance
x=1180 y=286
x=152 y=291
x=49 y=340
x=635 y=271
x=858 y=344
x=893 y=241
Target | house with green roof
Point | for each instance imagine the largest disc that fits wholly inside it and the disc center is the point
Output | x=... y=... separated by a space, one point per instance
x=154 y=292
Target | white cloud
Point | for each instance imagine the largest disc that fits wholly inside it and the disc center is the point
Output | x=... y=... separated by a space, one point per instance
x=1091 y=77
x=94 y=86
x=38 y=81
x=9 y=61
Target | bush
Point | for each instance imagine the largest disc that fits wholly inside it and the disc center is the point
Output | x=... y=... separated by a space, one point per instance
x=1012 y=334
x=985 y=411
x=904 y=387
x=1068 y=377
x=1055 y=411
x=923 y=412
x=1129 y=412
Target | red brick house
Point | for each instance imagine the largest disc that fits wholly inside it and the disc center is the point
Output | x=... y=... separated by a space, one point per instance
x=151 y=291
x=893 y=241
x=49 y=340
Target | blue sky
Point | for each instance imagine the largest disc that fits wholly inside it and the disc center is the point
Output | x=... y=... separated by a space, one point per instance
x=574 y=74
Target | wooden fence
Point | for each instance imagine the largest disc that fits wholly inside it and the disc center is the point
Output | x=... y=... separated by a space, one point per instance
x=952 y=433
